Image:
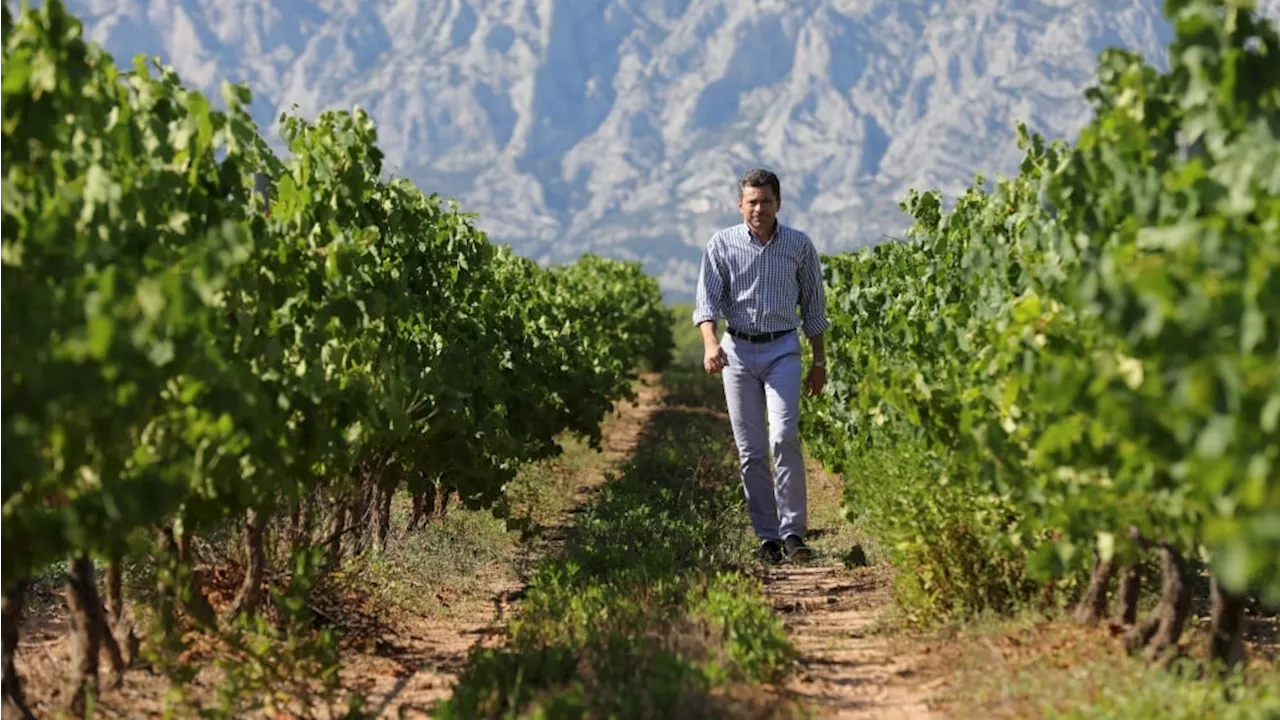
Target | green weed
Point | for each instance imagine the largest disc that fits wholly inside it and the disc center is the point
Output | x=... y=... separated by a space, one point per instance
x=648 y=610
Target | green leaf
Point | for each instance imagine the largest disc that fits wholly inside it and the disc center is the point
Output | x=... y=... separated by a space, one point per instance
x=1216 y=436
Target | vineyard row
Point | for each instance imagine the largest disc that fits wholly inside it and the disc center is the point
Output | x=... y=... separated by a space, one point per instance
x=183 y=351
x=1081 y=364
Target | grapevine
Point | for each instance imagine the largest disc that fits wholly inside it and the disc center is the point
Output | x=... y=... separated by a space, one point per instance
x=1090 y=351
x=180 y=354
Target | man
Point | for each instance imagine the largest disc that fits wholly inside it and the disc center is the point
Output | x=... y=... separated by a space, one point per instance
x=754 y=275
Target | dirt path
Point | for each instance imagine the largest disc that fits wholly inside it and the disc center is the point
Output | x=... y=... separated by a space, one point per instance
x=845 y=671
x=415 y=668
x=831 y=613
x=845 y=668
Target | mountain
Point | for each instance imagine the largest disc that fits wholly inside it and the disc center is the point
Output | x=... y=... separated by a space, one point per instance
x=620 y=126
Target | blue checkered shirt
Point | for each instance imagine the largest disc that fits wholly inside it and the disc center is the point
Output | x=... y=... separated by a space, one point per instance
x=756 y=288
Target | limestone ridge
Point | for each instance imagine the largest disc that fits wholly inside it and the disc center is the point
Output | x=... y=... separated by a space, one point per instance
x=619 y=126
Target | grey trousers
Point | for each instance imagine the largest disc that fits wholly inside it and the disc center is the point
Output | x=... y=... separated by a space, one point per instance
x=762 y=388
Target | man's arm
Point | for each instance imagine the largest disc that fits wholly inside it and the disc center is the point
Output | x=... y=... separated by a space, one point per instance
x=813 y=299
x=819 y=351
x=709 y=299
x=813 y=311
x=708 y=329
x=708 y=306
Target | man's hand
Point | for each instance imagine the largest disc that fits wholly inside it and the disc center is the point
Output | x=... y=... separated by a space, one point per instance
x=814 y=382
x=715 y=359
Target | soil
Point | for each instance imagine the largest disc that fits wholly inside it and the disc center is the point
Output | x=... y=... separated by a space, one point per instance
x=846 y=670
x=847 y=667
x=831 y=613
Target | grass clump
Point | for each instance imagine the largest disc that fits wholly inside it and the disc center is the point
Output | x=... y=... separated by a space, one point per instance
x=650 y=607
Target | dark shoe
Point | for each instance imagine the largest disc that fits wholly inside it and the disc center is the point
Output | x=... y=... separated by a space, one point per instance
x=770 y=552
x=796 y=550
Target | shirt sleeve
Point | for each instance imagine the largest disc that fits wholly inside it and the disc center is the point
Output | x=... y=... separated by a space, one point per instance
x=813 y=299
x=709 y=301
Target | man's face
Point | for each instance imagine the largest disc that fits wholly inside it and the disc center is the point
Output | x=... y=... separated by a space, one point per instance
x=759 y=207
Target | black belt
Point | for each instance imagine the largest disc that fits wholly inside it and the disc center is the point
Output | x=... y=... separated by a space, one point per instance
x=762 y=337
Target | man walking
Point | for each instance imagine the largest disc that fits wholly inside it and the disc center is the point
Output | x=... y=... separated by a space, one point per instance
x=754 y=275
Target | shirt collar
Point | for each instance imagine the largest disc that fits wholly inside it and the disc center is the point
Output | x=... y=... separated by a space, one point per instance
x=777 y=230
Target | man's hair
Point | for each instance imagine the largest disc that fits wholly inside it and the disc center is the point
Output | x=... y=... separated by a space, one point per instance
x=759 y=177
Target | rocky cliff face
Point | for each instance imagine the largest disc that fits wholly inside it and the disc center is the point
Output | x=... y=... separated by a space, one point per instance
x=619 y=126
